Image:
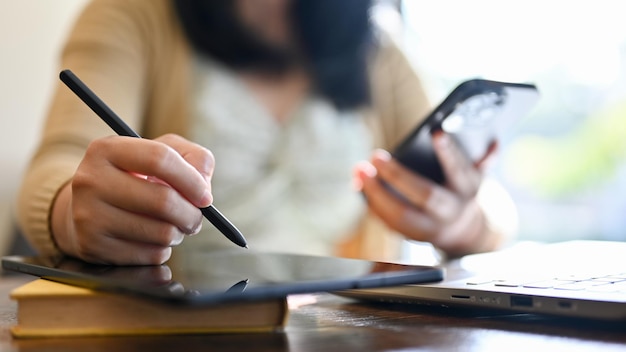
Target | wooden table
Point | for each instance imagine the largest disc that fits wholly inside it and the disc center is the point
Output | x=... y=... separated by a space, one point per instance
x=324 y=322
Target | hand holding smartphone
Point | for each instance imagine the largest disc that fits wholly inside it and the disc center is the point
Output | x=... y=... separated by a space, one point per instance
x=474 y=115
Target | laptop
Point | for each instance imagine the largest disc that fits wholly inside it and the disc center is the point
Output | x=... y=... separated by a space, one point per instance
x=584 y=279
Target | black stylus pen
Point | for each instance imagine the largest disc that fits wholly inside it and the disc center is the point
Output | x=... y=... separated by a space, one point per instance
x=121 y=128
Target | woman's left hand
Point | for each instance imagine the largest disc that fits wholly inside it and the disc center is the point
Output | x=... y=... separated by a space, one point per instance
x=447 y=216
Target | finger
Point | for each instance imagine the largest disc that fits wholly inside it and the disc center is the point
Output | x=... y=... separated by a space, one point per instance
x=361 y=170
x=395 y=213
x=136 y=195
x=107 y=220
x=413 y=187
x=461 y=176
x=156 y=201
x=156 y=159
x=424 y=194
x=95 y=245
x=198 y=156
x=141 y=229
x=490 y=154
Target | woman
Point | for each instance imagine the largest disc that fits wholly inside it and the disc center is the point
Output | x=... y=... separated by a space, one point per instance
x=288 y=96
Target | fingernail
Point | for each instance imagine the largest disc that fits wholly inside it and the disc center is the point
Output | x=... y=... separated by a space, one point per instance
x=359 y=175
x=197 y=229
x=357 y=183
x=382 y=155
x=443 y=140
x=207 y=198
x=367 y=169
x=188 y=231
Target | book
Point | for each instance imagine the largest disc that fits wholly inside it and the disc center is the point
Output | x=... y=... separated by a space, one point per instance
x=50 y=309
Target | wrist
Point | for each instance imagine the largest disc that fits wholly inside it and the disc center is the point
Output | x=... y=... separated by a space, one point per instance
x=482 y=237
x=469 y=234
x=61 y=225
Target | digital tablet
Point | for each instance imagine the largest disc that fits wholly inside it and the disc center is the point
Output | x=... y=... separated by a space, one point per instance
x=226 y=276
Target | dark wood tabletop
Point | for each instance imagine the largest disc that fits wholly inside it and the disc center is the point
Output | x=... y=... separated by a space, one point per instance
x=324 y=322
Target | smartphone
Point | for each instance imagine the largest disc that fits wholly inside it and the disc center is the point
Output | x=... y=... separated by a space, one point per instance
x=475 y=114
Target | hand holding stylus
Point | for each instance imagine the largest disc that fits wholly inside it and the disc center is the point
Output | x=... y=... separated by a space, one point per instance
x=132 y=199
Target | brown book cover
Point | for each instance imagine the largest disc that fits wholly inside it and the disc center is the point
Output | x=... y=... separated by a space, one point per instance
x=50 y=309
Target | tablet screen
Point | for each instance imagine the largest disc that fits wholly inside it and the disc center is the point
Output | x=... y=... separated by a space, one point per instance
x=226 y=276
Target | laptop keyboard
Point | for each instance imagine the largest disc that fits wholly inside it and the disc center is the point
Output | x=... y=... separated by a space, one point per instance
x=615 y=283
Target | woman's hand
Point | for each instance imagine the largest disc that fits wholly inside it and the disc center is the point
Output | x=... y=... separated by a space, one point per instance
x=447 y=216
x=132 y=199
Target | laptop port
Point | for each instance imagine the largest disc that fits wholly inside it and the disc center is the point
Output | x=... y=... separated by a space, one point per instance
x=565 y=305
x=521 y=301
x=464 y=297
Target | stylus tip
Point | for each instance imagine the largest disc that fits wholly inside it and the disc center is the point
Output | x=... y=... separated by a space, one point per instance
x=246 y=246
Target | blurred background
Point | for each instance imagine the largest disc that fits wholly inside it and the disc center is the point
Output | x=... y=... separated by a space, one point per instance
x=31 y=33
x=564 y=165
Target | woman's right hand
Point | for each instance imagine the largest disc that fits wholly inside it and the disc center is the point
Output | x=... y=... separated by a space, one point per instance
x=132 y=199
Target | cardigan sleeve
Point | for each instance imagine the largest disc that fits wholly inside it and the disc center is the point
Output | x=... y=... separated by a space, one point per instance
x=107 y=51
x=399 y=99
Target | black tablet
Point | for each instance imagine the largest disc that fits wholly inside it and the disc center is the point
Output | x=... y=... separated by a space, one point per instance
x=226 y=276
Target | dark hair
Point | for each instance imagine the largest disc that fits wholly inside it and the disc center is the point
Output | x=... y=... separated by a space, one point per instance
x=334 y=36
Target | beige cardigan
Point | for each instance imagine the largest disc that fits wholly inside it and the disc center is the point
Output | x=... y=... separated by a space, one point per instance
x=134 y=54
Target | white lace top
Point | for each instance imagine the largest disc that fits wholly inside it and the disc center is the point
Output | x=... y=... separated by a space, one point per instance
x=286 y=186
